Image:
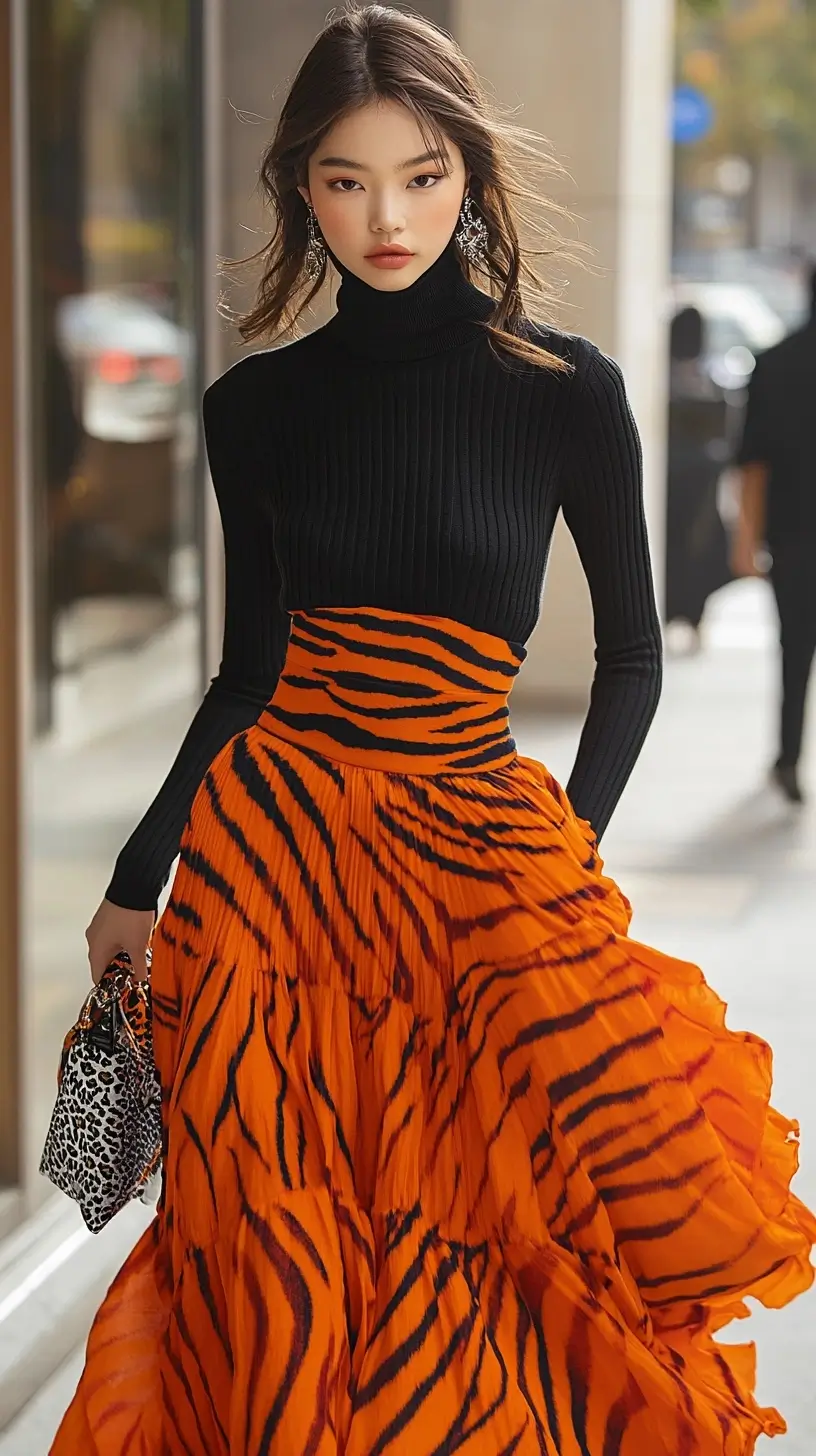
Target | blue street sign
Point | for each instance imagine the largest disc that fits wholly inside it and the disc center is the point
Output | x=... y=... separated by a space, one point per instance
x=692 y=115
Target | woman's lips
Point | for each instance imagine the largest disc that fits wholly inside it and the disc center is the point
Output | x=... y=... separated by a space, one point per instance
x=389 y=260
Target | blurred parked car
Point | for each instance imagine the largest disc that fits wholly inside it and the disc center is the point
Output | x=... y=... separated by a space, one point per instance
x=739 y=325
x=129 y=362
x=778 y=275
x=114 y=518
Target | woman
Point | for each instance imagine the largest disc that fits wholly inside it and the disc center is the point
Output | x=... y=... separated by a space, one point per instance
x=451 y=1164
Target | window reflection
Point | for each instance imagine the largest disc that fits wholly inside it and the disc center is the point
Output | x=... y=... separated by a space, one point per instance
x=115 y=507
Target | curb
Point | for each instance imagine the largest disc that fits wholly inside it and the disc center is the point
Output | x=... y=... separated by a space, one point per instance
x=53 y=1276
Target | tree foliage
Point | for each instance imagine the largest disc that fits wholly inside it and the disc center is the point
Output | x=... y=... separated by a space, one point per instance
x=704 y=7
x=721 y=7
x=70 y=18
x=756 y=60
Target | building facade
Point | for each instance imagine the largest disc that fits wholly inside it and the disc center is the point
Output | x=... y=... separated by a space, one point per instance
x=129 y=141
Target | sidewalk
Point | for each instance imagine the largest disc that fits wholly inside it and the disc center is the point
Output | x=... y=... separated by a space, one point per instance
x=33 y=1431
x=722 y=873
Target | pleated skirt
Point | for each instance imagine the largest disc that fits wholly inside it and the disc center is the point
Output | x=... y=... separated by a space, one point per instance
x=452 y=1164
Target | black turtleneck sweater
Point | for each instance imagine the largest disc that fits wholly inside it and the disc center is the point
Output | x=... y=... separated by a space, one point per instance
x=393 y=459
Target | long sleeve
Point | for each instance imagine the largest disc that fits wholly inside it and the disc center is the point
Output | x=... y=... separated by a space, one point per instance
x=602 y=503
x=256 y=631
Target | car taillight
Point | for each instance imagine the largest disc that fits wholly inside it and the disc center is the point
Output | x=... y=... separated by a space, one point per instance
x=165 y=369
x=117 y=367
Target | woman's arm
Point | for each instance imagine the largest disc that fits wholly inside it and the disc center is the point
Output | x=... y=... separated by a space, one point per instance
x=603 y=506
x=256 y=632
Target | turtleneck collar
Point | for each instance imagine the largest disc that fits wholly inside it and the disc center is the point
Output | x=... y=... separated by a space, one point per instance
x=441 y=310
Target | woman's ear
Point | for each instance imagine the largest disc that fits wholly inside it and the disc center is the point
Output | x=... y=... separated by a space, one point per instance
x=306 y=195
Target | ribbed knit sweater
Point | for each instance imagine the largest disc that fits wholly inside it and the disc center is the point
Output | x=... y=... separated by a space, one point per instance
x=394 y=458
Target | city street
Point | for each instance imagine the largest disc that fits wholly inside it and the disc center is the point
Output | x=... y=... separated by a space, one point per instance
x=721 y=872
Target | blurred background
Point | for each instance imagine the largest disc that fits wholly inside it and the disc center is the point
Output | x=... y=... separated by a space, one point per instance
x=130 y=134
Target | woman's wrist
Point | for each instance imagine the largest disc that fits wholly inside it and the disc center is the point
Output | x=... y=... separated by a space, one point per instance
x=127 y=893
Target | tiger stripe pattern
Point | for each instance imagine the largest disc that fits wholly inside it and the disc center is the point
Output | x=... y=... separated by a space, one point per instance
x=452 y=1163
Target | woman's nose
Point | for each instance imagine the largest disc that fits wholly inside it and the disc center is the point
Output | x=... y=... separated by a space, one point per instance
x=387 y=215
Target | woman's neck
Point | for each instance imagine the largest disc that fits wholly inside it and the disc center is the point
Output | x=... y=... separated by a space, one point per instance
x=440 y=311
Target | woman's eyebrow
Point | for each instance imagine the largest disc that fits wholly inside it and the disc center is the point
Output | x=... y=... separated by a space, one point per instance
x=403 y=166
x=341 y=162
x=419 y=161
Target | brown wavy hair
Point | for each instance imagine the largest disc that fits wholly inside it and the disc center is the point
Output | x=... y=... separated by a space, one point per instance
x=371 y=53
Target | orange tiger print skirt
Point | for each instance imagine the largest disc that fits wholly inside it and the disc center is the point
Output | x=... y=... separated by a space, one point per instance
x=452 y=1165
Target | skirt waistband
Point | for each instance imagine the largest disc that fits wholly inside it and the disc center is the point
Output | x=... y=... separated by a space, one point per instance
x=396 y=692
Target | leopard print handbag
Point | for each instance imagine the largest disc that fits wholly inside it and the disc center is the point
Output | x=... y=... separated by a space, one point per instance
x=104 y=1142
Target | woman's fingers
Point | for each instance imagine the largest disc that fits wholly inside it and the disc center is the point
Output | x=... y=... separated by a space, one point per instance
x=99 y=957
x=113 y=930
x=138 y=959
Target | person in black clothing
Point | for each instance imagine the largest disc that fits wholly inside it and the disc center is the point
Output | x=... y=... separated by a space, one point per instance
x=696 y=541
x=777 y=459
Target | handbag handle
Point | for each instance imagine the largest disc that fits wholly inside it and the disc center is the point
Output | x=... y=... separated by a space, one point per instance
x=103 y=1028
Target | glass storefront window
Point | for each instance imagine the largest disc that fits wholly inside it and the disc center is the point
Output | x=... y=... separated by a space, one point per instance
x=114 y=188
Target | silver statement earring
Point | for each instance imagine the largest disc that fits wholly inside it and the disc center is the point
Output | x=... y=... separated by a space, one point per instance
x=471 y=232
x=316 y=248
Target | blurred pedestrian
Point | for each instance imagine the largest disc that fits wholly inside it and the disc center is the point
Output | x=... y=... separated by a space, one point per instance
x=777 y=459
x=696 y=540
x=451 y=1163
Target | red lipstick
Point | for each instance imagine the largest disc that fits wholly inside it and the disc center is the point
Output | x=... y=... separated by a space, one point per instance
x=390 y=255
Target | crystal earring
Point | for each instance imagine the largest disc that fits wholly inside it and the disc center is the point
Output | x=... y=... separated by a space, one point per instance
x=471 y=232
x=316 y=248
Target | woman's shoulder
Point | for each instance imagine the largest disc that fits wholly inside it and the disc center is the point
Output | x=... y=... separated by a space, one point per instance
x=588 y=367
x=246 y=384
x=592 y=390
x=594 y=384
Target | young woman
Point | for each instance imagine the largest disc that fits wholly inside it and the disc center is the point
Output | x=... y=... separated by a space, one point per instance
x=451 y=1163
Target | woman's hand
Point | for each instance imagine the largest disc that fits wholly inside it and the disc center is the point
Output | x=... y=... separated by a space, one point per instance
x=113 y=930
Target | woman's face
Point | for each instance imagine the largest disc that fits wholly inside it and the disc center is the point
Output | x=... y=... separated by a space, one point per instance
x=374 y=185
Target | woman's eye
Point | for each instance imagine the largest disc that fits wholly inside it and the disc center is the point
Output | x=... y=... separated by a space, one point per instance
x=344 y=184
x=425 y=181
